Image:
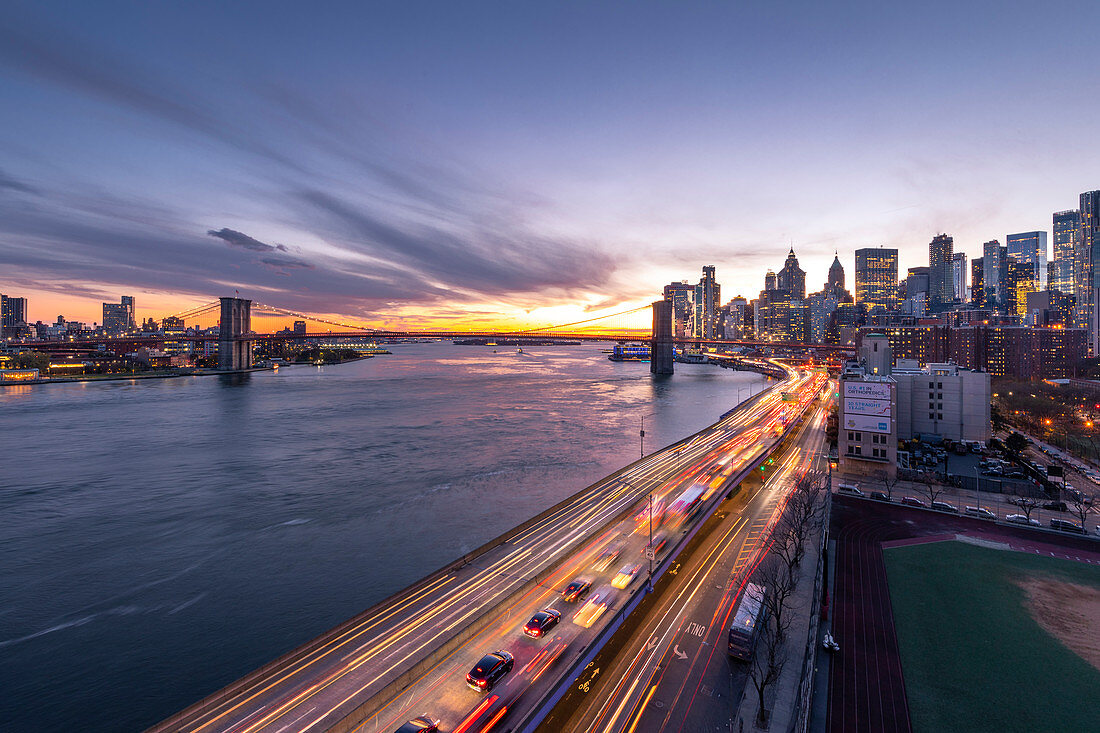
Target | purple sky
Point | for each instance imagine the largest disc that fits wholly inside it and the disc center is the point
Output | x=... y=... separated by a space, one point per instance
x=429 y=161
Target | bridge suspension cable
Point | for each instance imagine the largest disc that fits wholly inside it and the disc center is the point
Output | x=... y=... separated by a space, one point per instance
x=579 y=323
x=293 y=314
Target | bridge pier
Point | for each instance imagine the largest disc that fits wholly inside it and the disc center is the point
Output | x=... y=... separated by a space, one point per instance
x=234 y=352
x=660 y=348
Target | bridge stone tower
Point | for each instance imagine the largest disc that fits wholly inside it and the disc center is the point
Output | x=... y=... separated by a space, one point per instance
x=234 y=352
x=660 y=359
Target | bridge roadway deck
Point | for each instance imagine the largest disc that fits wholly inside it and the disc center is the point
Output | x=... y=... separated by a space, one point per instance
x=406 y=652
x=670 y=671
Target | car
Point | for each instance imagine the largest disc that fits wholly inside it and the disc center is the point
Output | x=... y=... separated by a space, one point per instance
x=1066 y=526
x=626 y=575
x=979 y=512
x=1055 y=506
x=489 y=670
x=576 y=590
x=423 y=724
x=594 y=607
x=1017 y=500
x=541 y=622
x=913 y=501
x=659 y=541
x=880 y=496
x=1022 y=519
x=943 y=506
x=607 y=557
x=849 y=489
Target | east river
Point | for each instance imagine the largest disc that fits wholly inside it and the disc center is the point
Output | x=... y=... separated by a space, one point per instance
x=161 y=538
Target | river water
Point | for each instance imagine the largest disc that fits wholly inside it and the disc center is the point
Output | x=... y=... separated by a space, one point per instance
x=161 y=538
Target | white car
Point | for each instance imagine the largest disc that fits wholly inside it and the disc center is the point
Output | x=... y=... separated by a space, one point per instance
x=980 y=512
x=1022 y=519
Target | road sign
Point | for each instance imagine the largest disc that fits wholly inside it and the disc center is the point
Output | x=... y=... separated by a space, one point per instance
x=650 y=553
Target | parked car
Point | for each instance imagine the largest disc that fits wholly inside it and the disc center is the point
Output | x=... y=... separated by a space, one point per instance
x=423 y=724
x=1022 y=519
x=979 y=512
x=913 y=501
x=880 y=496
x=1055 y=506
x=852 y=489
x=541 y=622
x=576 y=590
x=489 y=670
x=943 y=506
x=1066 y=525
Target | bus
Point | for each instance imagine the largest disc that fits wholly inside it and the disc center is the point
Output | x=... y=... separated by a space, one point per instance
x=686 y=505
x=746 y=622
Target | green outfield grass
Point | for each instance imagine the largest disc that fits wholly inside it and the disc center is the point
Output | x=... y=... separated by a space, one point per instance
x=973 y=657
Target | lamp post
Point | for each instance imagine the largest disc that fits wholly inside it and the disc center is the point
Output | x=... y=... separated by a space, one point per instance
x=641 y=433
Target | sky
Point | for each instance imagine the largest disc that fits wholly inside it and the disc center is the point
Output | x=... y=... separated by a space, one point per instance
x=443 y=163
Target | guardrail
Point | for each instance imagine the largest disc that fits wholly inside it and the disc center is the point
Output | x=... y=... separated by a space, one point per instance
x=801 y=721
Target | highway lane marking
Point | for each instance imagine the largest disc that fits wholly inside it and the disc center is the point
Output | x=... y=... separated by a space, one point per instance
x=338 y=674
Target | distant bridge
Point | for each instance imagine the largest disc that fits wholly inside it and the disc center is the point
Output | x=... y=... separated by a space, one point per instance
x=236 y=313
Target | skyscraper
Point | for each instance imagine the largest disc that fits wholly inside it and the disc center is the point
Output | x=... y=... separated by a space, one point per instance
x=1030 y=247
x=958 y=276
x=836 y=275
x=769 y=281
x=792 y=278
x=992 y=262
x=682 y=297
x=13 y=312
x=1088 y=238
x=977 y=281
x=941 y=290
x=877 y=277
x=1062 y=271
x=707 y=305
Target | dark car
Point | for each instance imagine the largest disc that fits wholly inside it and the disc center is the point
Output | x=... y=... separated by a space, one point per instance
x=489 y=670
x=576 y=590
x=912 y=501
x=879 y=496
x=1055 y=506
x=423 y=724
x=943 y=506
x=542 y=622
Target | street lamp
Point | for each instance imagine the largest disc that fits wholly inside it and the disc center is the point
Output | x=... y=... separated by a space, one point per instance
x=641 y=433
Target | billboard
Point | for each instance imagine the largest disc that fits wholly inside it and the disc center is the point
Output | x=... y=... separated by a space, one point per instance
x=867 y=390
x=866 y=422
x=878 y=408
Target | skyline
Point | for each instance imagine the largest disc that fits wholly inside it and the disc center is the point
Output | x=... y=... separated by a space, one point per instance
x=515 y=164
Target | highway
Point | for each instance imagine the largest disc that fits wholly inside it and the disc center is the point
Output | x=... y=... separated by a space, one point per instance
x=673 y=672
x=408 y=656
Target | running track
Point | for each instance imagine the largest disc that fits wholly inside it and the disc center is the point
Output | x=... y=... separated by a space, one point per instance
x=866 y=685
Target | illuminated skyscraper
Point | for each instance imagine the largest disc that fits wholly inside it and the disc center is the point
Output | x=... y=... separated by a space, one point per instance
x=1063 y=274
x=877 y=277
x=682 y=297
x=792 y=278
x=958 y=276
x=707 y=305
x=119 y=317
x=1030 y=247
x=977 y=281
x=1088 y=238
x=836 y=275
x=941 y=289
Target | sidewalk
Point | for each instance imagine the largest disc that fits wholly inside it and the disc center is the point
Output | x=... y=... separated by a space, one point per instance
x=782 y=699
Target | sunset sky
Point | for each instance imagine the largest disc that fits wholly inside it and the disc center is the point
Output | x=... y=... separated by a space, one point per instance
x=460 y=162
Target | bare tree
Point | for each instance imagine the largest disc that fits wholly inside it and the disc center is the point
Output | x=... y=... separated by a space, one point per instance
x=933 y=489
x=1027 y=504
x=775 y=576
x=1082 y=504
x=767 y=665
x=801 y=519
x=888 y=483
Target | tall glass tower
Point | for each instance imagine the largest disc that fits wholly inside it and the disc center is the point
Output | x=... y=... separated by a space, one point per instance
x=877 y=277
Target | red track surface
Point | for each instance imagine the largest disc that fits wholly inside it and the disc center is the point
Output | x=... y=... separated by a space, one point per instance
x=866 y=685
